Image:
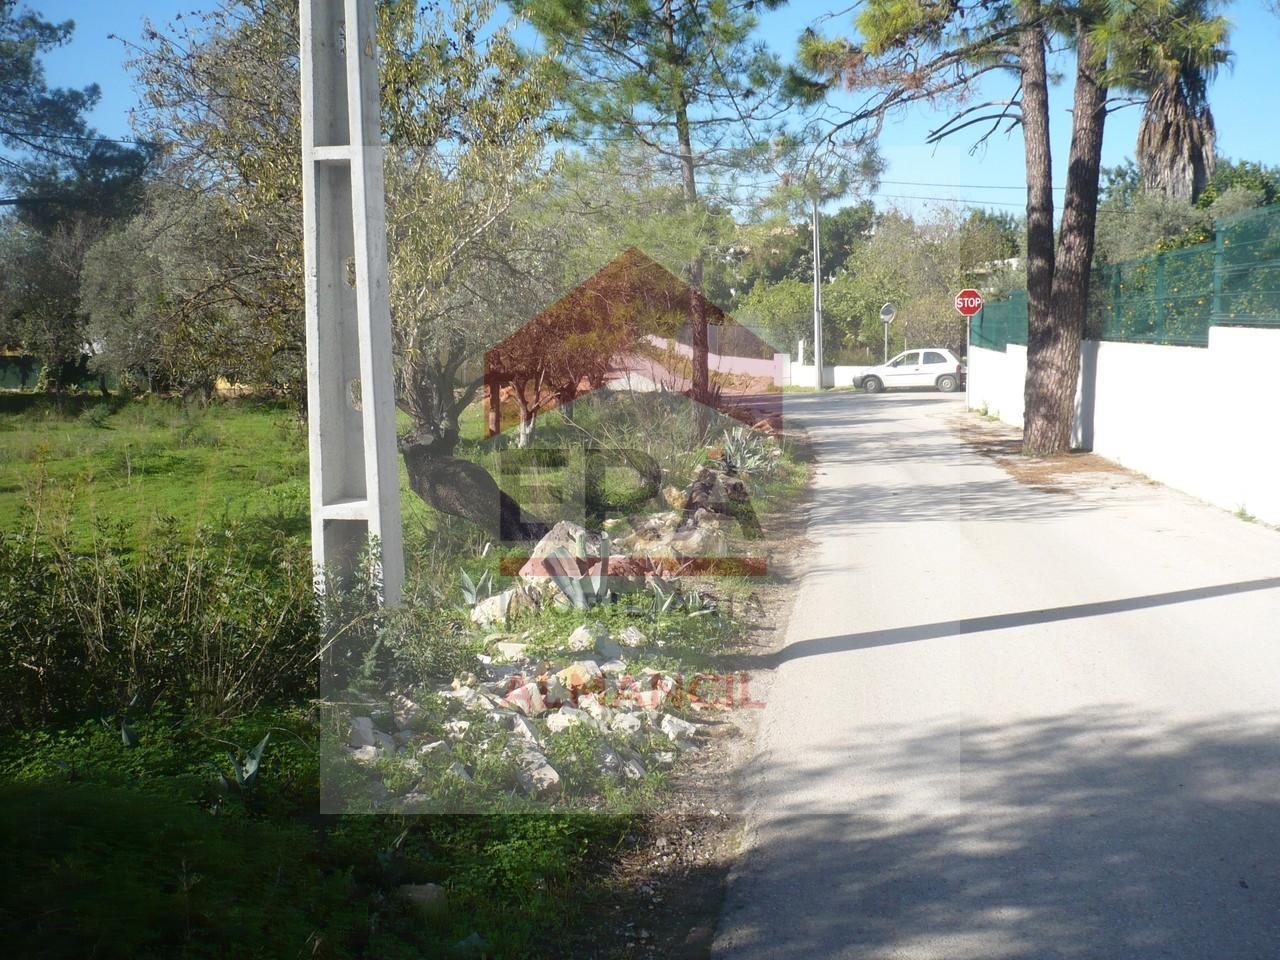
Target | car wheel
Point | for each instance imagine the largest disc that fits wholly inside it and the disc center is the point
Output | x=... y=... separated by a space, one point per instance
x=947 y=384
x=872 y=385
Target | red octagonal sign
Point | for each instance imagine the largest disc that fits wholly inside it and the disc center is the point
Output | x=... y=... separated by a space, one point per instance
x=968 y=302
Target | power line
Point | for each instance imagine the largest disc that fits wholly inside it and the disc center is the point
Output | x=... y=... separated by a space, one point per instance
x=969 y=202
x=753 y=183
x=87 y=139
x=959 y=186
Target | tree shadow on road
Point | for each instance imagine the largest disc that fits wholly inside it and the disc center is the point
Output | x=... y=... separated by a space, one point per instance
x=1106 y=833
x=820 y=646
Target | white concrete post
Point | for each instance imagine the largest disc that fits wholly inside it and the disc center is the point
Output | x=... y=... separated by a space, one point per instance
x=355 y=489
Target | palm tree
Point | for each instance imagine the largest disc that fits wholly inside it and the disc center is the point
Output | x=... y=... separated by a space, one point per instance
x=1175 y=142
x=1169 y=51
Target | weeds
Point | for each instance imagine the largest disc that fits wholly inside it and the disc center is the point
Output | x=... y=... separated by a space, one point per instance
x=190 y=621
x=97 y=416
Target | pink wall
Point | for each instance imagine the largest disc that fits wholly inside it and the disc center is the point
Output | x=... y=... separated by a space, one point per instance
x=752 y=366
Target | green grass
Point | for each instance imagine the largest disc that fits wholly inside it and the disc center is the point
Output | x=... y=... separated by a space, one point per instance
x=137 y=463
x=140 y=464
x=120 y=852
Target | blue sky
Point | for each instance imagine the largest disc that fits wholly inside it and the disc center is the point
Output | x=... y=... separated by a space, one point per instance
x=1243 y=98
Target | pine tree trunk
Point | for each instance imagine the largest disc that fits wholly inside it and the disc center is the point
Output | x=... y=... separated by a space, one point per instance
x=701 y=347
x=1053 y=350
x=697 y=305
x=1039 y=164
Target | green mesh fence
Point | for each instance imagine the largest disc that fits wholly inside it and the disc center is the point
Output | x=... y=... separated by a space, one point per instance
x=1172 y=297
x=1246 y=283
x=1165 y=298
x=1001 y=323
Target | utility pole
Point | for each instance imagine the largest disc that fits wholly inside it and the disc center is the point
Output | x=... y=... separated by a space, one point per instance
x=355 y=485
x=817 y=296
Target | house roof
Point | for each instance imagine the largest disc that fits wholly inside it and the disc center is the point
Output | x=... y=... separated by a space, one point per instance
x=628 y=299
x=631 y=319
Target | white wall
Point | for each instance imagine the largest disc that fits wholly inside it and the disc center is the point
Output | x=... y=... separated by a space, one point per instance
x=844 y=376
x=1204 y=421
x=996 y=381
x=801 y=374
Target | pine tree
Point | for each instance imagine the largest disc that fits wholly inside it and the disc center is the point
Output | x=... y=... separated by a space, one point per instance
x=916 y=52
x=685 y=78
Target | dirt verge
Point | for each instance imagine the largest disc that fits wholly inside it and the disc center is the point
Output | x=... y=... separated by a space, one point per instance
x=1063 y=473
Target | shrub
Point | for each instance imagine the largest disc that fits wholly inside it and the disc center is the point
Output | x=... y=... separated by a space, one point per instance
x=430 y=643
x=90 y=631
x=180 y=757
x=94 y=870
x=97 y=415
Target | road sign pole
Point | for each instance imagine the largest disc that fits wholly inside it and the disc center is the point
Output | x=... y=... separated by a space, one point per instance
x=887 y=313
x=817 y=297
x=968 y=339
x=969 y=303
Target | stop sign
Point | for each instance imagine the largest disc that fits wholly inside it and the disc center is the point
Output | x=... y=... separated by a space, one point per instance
x=968 y=302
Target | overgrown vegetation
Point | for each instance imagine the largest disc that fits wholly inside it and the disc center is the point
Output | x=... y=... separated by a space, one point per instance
x=183 y=621
x=139 y=852
x=160 y=724
x=169 y=674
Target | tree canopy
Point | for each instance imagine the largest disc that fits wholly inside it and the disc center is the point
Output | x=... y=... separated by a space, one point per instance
x=905 y=52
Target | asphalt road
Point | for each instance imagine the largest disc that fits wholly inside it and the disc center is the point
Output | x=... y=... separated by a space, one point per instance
x=1009 y=723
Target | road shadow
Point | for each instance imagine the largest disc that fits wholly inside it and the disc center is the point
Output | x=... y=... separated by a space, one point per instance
x=843 y=643
x=862 y=435
x=1106 y=833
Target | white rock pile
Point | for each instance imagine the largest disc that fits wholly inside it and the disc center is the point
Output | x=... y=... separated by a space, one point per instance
x=696 y=526
x=524 y=704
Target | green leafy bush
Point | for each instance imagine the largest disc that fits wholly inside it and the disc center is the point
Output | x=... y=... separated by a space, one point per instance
x=94 y=870
x=97 y=415
x=428 y=643
x=87 y=631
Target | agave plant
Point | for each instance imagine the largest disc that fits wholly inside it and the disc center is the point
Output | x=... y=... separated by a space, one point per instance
x=746 y=452
x=473 y=591
x=584 y=590
x=666 y=594
x=246 y=771
x=127 y=735
x=700 y=605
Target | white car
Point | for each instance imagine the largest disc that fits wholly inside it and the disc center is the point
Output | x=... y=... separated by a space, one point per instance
x=926 y=367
